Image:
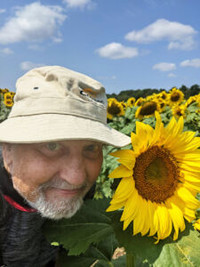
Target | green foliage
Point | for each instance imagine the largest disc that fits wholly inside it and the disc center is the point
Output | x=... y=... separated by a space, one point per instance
x=87 y=237
x=92 y=235
x=183 y=252
x=89 y=226
x=4 y=111
x=94 y=255
x=192 y=121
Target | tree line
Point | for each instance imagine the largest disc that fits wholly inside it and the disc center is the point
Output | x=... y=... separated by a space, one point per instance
x=126 y=94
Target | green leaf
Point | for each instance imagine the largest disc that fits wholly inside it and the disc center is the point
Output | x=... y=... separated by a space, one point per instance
x=183 y=252
x=89 y=226
x=65 y=261
x=128 y=128
x=193 y=107
x=93 y=256
x=130 y=113
x=107 y=188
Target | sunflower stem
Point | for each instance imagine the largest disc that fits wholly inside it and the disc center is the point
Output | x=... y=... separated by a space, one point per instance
x=130 y=260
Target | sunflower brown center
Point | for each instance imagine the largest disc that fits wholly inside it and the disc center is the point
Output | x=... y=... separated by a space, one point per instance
x=163 y=96
x=175 y=97
x=179 y=113
x=162 y=104
x=156 y=174
x=148 y=108
x=114 y=109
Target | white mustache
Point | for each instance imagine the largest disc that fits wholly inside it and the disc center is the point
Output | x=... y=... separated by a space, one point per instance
x=59 y=183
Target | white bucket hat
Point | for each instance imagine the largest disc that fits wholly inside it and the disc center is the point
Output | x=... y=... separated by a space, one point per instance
x=53 y=103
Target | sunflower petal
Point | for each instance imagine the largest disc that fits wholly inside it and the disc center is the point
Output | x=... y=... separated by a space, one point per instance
x=131 y=207
x=126 y=157
x=140 y=223
x=120 y=172
x=187 y=197
x=114 y=207
x=124 y=190
x=176 y=217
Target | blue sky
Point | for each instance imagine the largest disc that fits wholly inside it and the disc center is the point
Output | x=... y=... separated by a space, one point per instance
x=125 y=44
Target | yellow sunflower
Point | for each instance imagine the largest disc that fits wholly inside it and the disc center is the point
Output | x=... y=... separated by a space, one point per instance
x=162 y=104
x=124 y=104
x=130 y=102
x=139 y=101
x=8 y=103
x=179 y=110
x=3 y=91
x=191 y=100
x=197 y=225
x=8 y=99
x=175 y=96
x=114 y=108
x=8 y=96
x=160 y=179
x=198 y=100
x=147 y=109
x=163 y=95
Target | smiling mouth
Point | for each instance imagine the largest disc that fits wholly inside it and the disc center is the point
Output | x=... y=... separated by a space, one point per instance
x=60 y=192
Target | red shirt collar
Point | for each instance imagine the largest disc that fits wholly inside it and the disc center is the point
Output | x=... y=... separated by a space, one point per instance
x=17 y=205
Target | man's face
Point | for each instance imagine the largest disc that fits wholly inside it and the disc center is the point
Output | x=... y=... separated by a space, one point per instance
x=54 y=177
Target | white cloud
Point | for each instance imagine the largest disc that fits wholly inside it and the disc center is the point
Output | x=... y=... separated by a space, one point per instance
x=107 y=78
x=35 y=47
x=117 y=51
x=28 y=65
x=179 y=36
x=6 y=51
x=191 y=63
x=164 y=66
x=79 y=3
x=2 y=11
x=34 y=22
x=171 y=75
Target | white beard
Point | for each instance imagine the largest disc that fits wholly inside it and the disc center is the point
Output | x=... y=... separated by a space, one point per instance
x=57 y=209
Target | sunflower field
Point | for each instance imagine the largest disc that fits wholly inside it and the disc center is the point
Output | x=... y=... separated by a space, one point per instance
x=6 y=102
x=146 y=206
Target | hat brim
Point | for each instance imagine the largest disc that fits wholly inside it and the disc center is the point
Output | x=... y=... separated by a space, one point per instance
x=57 y=127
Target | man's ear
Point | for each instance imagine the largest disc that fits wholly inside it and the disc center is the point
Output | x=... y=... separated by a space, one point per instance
x=7 y=156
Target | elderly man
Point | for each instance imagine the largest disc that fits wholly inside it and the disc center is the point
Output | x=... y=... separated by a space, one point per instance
x=51 y=157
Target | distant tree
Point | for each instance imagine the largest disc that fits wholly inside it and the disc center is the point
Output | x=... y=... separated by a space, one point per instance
x=194 y=89
x=113 y=95
x=137 y=93
x=185 y=90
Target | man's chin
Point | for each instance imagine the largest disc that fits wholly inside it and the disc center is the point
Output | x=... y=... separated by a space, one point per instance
x=57 y=208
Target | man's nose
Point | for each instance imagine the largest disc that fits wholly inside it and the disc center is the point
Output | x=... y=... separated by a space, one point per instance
x=73 y=171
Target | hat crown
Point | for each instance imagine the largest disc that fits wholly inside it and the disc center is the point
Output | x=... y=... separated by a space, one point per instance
x=55 y=89
x=53 y=103
x=56 y=81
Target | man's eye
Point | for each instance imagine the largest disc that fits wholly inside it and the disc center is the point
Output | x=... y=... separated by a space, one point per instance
x=93 y=151
x=92 y=148
x=53 y=146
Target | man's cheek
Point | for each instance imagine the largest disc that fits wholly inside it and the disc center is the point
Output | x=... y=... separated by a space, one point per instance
x=28 y=191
